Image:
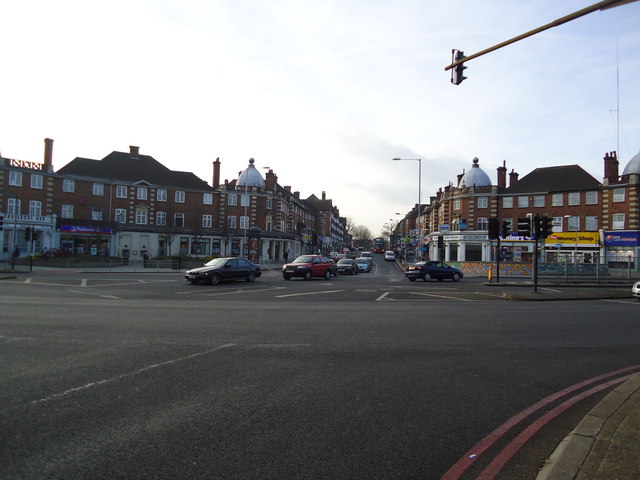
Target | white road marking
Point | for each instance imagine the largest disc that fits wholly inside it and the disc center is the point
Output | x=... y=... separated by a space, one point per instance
x=441 y=296
x=308 y=293
x=28 y=280
x=630 y=301
x=96 y=294
x=242 y=290
x=383 y=297
x=83 y=283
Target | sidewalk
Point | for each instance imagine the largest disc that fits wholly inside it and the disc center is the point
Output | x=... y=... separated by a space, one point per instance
x=606 y=443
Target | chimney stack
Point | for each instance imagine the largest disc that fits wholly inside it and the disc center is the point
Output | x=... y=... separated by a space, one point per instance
x=502 y=175
x=513 y=177
x=216 y=173
x=48 y=155
x=324 y=195
x=611 y=165
x=133 y=151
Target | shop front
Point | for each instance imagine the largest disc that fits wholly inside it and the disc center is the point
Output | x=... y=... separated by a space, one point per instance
x=572 y=247
x=622 y=249
x=86 y=240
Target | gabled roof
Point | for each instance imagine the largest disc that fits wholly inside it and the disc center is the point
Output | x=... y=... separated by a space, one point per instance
x=124 y=167
x=554 y=179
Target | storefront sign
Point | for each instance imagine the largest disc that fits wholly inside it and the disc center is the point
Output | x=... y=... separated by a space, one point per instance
x=622 y=239
x=444 y=228
x=85 y=229
x=464 y=237
x=573 y=238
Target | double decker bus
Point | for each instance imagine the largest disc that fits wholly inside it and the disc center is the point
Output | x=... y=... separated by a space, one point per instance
x=379 y=245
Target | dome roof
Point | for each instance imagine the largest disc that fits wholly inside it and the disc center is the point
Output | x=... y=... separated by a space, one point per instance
x=633 y=166
x=250 y=177
x=475 y=177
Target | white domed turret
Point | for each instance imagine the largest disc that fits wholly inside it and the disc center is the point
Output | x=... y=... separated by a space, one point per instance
x=475 y=177
x=250 y=177
x=633 y=166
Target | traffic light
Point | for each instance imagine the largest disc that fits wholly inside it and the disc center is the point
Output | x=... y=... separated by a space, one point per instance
x=524 y=227
x=494 y=229
x=505 y=228
x=27 y=234
x=546 y=226
x=1 y=222
x=457 y=72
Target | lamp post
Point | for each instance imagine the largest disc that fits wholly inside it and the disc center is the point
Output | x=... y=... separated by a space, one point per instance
x=419 y=222
x=14 y=244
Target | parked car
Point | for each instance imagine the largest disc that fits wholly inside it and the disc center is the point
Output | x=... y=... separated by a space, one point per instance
x=432 y=270
x=308 y=266
x=225 y=268
x=635 y=290
x=364 y=264
x=389 y=255
x=347 y=266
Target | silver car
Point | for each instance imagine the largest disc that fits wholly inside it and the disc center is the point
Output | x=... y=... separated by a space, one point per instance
x=364 y=264
x=635 y=290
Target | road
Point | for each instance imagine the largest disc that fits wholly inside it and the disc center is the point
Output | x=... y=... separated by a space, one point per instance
x=144 y=376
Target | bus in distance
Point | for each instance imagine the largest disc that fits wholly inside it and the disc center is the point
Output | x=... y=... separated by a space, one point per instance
x=378 y=245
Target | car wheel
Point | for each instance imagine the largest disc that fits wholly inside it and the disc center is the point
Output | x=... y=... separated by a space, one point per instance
x=412 y=279
x=215 y=279
x=287 y=277
x=456 y=277
x=307 y=275
x=327 y=274
x=427 y=277
x=251 y=277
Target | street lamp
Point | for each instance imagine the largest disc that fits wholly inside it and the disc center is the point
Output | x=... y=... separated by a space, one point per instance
x=419 y=222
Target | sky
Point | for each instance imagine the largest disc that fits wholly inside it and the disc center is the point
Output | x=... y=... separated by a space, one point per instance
x=324 y=92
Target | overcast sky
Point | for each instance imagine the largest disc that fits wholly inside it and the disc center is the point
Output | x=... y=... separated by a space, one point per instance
x=325 y=93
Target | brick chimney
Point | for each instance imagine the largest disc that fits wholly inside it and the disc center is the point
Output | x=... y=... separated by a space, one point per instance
x=324 y=195
x=502 y=175
x=270 y=181
x=48 y=155
x=134 y=151
x=216 y=173
x=513 y=177
x=611 y=165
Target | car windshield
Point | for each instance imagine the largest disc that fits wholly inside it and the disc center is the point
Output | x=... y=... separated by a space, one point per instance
x=362 y=260
x=344 y=261
x=217 y=262
x=304 y=259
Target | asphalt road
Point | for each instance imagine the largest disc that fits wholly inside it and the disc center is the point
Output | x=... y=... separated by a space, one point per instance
x=144 y=376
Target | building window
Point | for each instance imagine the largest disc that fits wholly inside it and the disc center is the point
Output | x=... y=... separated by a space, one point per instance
x=538 y=200
x=269 y=203
x=244 y=200
x=207 y=198
x=591 y=222
x=141 y=217
x=121 y=191
x=483 y=224
x=573 y=224
x=507 y=202
x=207 y=221
x=36 y=181
x=269 y=224
x=557 y=224
x=618 y=194
x=142 y=193
x=161 y=218
x=13 y=206
x=244 y=222
x=574 y=198
x=591 y=198
x=161 y=195
x=121 y=215
x=557 y=200
x=66 y=211
x=179 y=196
x=98 y=189
x=232 y=199
x=96 y=214
x=456 y=204
x=483 y=202
x=618 y=221
x=231 y=221
x=178 y=219
x=15 y=178
x=35 y=208
x=68 y=185
x=523 y=201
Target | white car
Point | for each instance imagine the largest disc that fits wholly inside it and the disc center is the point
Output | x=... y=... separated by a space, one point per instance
x=635 y=290
x=389 y=255
x=364 y=264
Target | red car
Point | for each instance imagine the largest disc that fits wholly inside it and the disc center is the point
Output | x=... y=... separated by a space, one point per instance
x=307 y=266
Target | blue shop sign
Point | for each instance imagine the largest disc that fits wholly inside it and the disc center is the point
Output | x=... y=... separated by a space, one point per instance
x=85 y=229
x=622 y=239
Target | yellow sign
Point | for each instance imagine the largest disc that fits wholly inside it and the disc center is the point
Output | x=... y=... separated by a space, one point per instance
x=581 y=238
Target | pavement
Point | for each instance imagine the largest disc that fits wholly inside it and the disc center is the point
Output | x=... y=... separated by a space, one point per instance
x=606 y=443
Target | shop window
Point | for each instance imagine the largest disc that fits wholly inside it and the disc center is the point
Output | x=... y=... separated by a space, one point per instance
x=200 y=246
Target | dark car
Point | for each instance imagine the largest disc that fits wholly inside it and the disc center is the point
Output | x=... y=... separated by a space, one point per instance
x=226 y=268
x=347 y=266
x=432 y=270
x=307 y=266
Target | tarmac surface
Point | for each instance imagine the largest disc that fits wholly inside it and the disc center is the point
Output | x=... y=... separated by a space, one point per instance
x=606 y=443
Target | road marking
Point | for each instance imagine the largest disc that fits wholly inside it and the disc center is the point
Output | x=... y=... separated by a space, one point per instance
x=441 y=296
x=242 y=290
x=550 y=289
x=28 y=280
x=96 y=295
x=83 y=283
x=629 y=301
x=383 y=297
x=308 y=293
